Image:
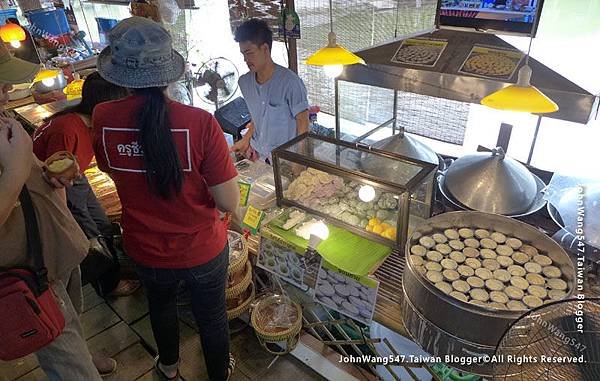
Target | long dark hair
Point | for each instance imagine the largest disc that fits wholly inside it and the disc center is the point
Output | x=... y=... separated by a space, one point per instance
x=163 y=167
x=95 y=90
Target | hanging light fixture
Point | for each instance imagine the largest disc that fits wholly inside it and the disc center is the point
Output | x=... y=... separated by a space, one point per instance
x=333 y=57
x=522 y=96
x=47 y=77
x=13 y=34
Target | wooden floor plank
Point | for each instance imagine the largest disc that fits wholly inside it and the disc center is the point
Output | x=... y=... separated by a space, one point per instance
x=112 y=341
x=192 y=365
x=132 y=363
x=144 y=330
x=251 y=358
x=14 y=369
x=130 y=308
x=150 y=376
x=290 y=368
x=98 y=319
x=35 y=375
x=90 y=298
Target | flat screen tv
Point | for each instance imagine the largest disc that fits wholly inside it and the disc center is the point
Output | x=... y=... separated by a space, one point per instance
x=500 y=16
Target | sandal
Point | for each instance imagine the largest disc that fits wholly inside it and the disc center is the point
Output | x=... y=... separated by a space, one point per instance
x=162 y=374
x=125 y=287
x=230 y=367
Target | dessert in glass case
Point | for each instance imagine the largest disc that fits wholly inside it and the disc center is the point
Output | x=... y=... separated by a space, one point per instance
x=374 y=193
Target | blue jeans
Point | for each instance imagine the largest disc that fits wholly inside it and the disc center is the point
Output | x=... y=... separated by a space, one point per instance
x=206 y=284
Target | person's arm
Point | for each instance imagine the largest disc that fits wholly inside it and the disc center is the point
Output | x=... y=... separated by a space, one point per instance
x=302 y=122
x=218 y=170
x=242 y=145
x=16 y=159
x=226 y=195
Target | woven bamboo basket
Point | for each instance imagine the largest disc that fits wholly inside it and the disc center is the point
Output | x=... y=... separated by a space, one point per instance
x=283 y=336
x=244 y=306
x=237 y=244
x=238 y=288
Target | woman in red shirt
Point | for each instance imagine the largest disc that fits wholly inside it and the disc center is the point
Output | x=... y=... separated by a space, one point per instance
x=70 y=130
x=173 y=173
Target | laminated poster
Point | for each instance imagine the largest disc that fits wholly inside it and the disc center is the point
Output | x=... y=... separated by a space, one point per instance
x=489 y=62
x=350 y=295
x=420 y=51
x=284 y=260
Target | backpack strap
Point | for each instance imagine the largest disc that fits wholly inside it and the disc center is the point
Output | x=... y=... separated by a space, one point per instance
x=34 y=242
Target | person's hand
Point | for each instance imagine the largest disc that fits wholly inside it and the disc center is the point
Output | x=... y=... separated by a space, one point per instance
x=16 y=150
x=59 y=182
x=241 y=146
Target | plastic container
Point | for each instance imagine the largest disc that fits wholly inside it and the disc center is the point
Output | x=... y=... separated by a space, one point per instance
x=48 y=22
x=7 y=14
x=104 y=26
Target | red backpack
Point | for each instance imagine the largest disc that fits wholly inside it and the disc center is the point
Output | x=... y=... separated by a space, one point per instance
x=29 y=313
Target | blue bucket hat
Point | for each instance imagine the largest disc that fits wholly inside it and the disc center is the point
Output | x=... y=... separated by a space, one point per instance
x=140 y=54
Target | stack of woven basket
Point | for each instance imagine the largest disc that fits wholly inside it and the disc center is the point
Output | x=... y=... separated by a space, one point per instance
x=277 y=322
x=240 y=288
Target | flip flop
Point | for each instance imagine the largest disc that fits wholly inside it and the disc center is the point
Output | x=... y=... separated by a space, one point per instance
x=126 y=288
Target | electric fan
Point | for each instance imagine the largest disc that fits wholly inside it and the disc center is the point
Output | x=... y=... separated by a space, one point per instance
x=548 y=343
x=216 y=81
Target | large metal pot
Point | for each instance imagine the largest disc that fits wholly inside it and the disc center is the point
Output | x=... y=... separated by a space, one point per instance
x=443 y=325
x=491 y=183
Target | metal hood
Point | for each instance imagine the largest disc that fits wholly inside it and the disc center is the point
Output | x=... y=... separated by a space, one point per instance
x=444 y=80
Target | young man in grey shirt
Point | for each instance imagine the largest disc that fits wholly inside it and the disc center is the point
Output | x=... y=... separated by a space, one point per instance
x=275 y=95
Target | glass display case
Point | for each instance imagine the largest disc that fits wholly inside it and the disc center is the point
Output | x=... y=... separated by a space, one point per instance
x=376 y=194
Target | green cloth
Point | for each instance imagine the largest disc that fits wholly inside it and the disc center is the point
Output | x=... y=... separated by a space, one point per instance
x=352 y=253
x=343 y=249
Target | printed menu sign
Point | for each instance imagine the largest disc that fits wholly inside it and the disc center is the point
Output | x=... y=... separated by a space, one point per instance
x=420 y=51
x=484 y=61
x=351 y=295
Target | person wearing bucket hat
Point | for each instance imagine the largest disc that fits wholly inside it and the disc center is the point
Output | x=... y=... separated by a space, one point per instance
x=64 y=244
x=173 y=172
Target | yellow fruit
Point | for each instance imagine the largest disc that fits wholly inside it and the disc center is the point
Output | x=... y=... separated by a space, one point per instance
x=60 y=165
x=374 y=221
x=378 y=229
x=390 y=233
x=369 y=228
x=385 y=226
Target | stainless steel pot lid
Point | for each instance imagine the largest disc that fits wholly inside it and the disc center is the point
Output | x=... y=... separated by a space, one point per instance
x=400 y=144
x=538 y=203
x=406 y=145
x=492 y=183
x=586 y=201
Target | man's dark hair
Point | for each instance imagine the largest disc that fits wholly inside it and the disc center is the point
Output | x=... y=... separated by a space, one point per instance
x=256 y=31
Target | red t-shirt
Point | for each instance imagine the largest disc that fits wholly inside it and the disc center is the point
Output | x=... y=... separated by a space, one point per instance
x=176 y=233
x=66 y=132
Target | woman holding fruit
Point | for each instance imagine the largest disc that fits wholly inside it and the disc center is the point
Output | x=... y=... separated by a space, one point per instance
x=67 y=139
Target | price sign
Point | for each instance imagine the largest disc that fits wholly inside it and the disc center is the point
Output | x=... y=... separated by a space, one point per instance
x=252 y=219
x=244 y=192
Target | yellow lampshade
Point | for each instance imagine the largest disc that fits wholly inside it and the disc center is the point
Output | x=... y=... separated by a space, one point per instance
x=73 y=89
x=333 y=54
x=518 y=98
x=46 y=74
x=10 y=32
x=521 y=97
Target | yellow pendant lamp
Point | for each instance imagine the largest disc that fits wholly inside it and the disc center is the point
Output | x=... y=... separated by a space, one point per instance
x=13 y=34
x=46 y=76
x=333 y=57
x=521 y=96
